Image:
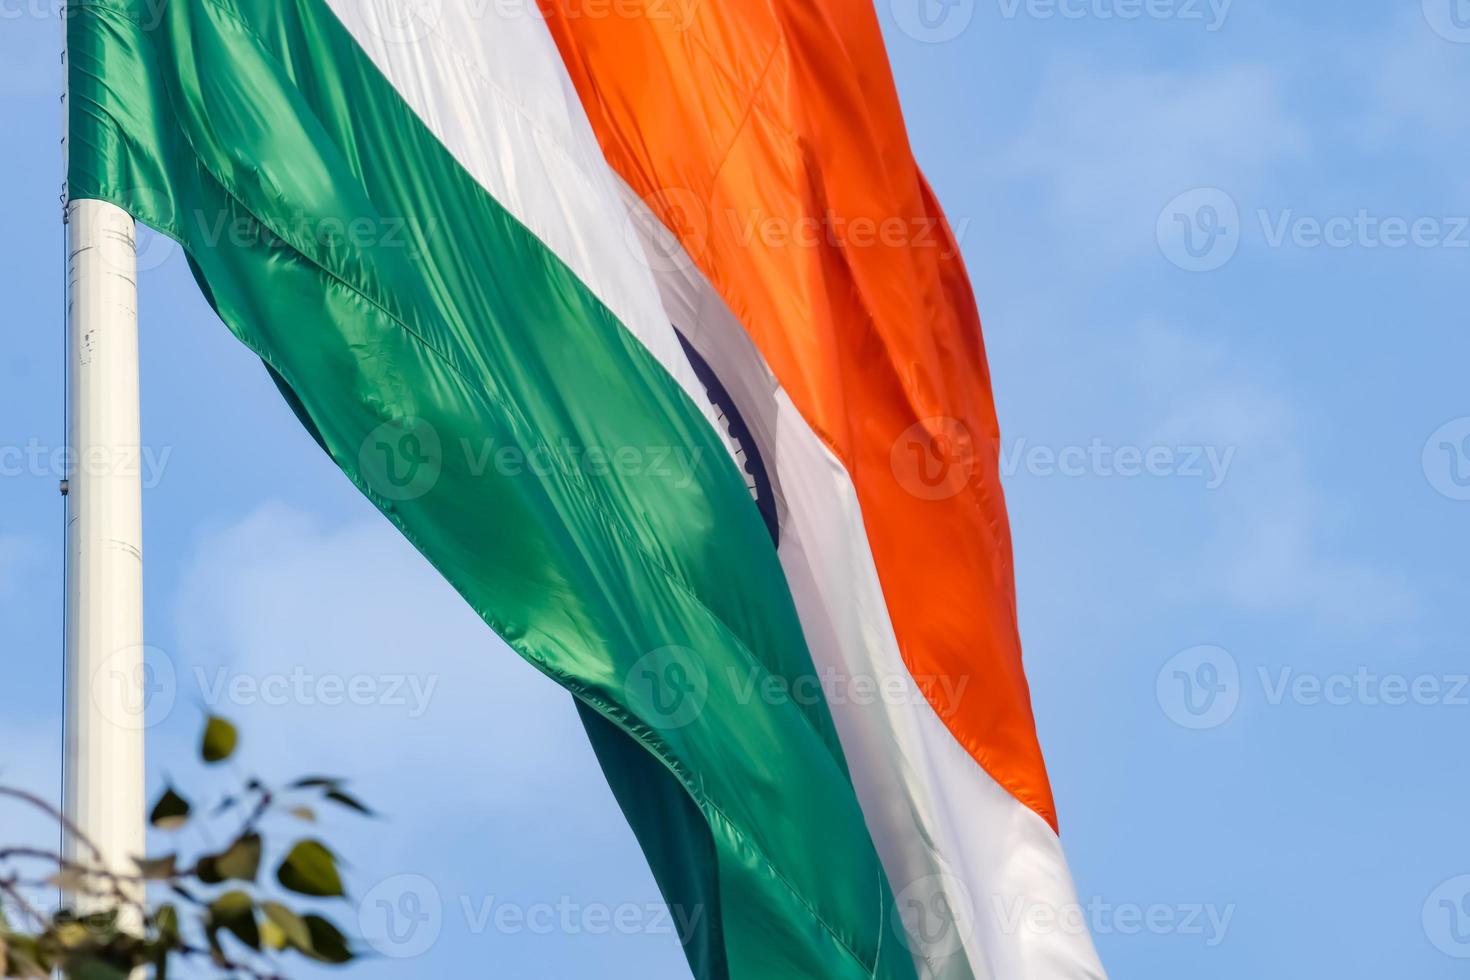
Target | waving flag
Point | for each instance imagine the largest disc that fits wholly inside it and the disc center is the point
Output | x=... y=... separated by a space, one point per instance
x=640 y=322
x=801 y=251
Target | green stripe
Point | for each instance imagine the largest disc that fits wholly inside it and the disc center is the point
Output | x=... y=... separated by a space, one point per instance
x=645 y=593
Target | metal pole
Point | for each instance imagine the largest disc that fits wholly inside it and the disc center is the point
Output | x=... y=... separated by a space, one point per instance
x=105 y=686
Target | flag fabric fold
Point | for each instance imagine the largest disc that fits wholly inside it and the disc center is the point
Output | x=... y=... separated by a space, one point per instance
x=640 y=322
x=804 y=256
x=424 y=325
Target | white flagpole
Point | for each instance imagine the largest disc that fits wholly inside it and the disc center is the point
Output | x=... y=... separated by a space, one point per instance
x=105 y=680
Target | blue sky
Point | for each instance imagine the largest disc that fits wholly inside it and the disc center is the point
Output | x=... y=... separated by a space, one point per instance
x=1221 y=252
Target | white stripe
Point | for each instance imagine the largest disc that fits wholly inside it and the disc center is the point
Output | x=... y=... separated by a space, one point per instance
x=489 y=83
x=941 y=823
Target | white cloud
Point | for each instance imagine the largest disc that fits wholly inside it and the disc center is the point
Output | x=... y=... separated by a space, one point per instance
x=1414 y=97
x=1273 y=547
x=345 y=641
x=1112 y=148
x=487 y=786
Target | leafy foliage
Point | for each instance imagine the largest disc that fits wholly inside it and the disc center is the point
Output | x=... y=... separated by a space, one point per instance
x=219 y=911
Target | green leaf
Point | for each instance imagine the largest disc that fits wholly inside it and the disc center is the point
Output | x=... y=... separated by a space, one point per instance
x=216 y=951
x=71 y=935
x=220 y=739
x=232 y=903
x=241 y=860
x=310 y=869
x=271 y=936
x=25 y=958
x=291 y=926
x=158 y=869
x=337 y=796
x=207 y=870
x=327 y=942
x=235 y=912
x=170 y=812
x=166 y=921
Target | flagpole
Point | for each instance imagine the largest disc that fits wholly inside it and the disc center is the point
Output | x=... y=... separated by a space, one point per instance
x=105 y=700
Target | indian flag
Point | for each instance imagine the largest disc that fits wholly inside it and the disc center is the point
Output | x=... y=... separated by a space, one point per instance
x=639 y=320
